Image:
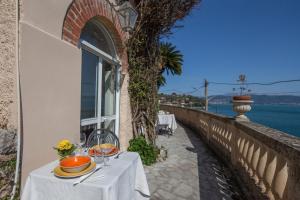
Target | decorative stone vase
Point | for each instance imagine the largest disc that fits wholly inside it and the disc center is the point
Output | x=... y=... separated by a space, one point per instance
x=241 y=105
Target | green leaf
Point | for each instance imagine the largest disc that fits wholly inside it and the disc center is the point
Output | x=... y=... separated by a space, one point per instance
x=147 y=152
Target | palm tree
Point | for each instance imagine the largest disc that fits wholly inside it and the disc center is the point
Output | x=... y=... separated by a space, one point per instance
x=170 y=61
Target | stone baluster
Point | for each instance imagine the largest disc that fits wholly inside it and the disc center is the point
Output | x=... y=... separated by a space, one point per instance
x=249 y=157
x=293 y=181
x=230 y=139
x=261 y=168
x=244 y=153
x=209 y=128
x=269 y=173
x=241 y=148
x=268 y=157
x=280 y=178
x=254 y=161
x=234 y=144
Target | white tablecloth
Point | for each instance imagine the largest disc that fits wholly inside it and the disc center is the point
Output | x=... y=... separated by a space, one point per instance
x=167 y=119
x=124 y=179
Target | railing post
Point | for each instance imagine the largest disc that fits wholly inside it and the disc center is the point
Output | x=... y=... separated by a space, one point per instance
x=293 y=181
x=209 y=129
x=265 y=159
x=234 y=144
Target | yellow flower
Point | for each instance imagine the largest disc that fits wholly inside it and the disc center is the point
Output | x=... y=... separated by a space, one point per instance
x=64 y=145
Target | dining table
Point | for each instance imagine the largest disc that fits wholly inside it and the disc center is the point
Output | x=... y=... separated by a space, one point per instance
x=123 y=179
x=167 y=119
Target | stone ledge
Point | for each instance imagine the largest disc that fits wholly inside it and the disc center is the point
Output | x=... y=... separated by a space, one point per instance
x=286 y=144
x=282 y=142
x=266 y=160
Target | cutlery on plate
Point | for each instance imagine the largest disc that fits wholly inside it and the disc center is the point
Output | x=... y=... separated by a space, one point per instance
x=86 y=176
x=117 y=156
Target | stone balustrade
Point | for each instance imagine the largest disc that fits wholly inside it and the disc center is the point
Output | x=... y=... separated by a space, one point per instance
x=266 y=161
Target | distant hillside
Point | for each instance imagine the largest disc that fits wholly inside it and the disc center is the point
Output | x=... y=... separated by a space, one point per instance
x=259 y=99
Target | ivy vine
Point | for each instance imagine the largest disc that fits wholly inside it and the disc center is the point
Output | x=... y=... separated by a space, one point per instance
x=156 y=19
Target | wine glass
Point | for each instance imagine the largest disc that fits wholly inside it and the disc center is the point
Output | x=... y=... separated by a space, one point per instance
x=82 y=143
x=104 y=152
x=80 y=149
x=82 y=139
x=98 y=155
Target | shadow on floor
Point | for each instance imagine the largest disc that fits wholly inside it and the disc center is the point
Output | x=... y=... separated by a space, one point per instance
x=211 y=170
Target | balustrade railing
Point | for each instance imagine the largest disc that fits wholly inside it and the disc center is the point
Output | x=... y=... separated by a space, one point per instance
x=265 y=159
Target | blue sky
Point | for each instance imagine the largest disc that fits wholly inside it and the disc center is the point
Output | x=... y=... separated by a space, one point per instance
x=222 y=39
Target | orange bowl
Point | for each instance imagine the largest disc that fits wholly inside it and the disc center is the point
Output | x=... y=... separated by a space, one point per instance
x=75 y=164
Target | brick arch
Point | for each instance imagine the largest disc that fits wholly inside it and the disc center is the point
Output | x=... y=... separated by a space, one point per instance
x=81 y=11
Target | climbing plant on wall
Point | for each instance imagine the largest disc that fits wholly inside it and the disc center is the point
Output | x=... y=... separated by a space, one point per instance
x=156 y=19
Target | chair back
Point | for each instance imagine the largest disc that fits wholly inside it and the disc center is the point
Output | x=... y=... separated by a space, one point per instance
x=102 y=136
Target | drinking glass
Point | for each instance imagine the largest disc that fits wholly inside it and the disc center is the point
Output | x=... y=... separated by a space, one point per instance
x=82 y=140
x=80 y=149
x=104 y=152
x=98 y=156
x=82 y=143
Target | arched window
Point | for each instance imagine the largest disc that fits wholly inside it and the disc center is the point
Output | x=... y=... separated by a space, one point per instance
x=99 y=79
x=94 y=33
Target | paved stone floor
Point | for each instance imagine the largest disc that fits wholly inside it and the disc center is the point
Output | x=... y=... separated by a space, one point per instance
x=190 y=172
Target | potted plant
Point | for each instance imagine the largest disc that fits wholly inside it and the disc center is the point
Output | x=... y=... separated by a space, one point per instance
x=242 y=102
x=64 y=148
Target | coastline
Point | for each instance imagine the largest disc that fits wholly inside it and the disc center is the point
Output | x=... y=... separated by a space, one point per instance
x=283 y=117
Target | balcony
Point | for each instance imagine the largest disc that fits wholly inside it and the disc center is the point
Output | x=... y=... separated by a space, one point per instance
x=215 y=157
x=192 y=171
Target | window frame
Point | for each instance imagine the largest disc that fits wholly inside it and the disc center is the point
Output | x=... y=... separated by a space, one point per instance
x=113 y=60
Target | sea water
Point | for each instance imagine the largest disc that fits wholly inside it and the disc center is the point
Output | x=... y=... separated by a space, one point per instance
x=282 y=117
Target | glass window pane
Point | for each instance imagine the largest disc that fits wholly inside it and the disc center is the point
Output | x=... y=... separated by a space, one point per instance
x=89 y=85
x=93 y=34
x=108 y=100
x=85 y=131
x=109 y=124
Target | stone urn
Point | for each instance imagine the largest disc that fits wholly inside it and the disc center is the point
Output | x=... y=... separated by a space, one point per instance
x=241 y=105
x=163 y=154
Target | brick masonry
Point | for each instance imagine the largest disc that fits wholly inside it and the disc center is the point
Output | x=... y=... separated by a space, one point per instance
x=81 y=11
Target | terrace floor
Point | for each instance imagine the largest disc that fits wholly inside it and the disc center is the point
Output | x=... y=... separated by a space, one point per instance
x=191 y=171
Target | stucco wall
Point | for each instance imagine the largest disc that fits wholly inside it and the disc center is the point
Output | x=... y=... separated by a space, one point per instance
x=50 y=82
x=46 y=15
x=50 y=87
x=50 y=70
x=8 y=104
x=126 y=132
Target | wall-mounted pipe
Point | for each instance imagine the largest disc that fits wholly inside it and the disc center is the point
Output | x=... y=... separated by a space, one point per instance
x=18 y=104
